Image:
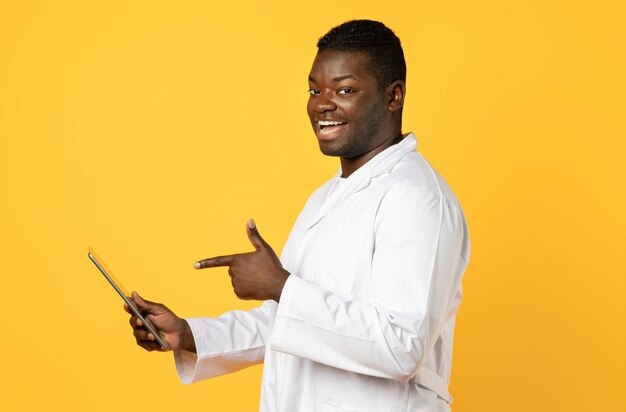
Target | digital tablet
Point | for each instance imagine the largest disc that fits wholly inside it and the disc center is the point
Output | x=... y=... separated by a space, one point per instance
x=124 y=294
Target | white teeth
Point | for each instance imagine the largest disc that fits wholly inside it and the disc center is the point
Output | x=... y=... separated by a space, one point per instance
x=325 y=123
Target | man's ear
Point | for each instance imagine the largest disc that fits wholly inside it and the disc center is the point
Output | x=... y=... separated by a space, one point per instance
x=395 y=92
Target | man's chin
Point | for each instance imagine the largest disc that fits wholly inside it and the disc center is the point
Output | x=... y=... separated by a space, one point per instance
x=329 y=149
x=329 y=152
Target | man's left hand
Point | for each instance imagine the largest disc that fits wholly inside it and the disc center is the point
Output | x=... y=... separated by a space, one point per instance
x=256 y=275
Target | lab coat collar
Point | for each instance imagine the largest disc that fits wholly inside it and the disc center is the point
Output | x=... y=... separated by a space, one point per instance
x=382 y=163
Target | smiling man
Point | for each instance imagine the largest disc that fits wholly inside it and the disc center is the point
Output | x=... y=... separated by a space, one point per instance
x=360 y=308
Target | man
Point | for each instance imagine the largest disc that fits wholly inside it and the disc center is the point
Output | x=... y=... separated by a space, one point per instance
x=359 y=311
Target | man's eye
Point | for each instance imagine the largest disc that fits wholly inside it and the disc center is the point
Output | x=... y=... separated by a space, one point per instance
x=314 y=92
x=345 y=90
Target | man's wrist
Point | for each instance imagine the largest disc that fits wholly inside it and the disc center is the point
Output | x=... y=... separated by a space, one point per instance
x=280 y=284
x=186 y=340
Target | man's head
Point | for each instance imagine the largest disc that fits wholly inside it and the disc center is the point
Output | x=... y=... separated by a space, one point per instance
x=374 y=39
x=357 y=88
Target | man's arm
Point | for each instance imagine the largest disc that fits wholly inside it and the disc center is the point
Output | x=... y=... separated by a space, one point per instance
x=205 y=347
x=225 y=344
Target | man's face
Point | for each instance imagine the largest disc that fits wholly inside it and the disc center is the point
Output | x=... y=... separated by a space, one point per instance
x=348 y=111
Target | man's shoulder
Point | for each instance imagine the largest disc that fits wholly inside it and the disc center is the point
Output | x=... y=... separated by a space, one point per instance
x=414 y=172
x=414 y=176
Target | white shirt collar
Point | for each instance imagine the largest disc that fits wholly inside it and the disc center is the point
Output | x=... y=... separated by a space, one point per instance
x=381 y=163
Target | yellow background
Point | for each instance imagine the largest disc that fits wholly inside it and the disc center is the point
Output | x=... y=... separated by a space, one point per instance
x=152 y=131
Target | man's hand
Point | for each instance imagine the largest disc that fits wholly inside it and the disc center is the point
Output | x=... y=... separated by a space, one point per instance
x=256 y=275
x=174 y=330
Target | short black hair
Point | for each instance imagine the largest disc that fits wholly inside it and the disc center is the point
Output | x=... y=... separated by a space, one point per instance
x=374 y=39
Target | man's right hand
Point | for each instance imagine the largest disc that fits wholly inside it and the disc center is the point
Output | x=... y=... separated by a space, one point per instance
x=174 y=330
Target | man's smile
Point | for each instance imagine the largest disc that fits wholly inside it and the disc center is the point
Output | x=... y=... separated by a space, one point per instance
x=327 y=128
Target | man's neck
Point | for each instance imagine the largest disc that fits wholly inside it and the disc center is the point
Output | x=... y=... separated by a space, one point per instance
x=349 y=166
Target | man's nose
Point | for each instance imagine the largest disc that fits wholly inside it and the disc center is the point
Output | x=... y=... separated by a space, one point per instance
x=324 y=102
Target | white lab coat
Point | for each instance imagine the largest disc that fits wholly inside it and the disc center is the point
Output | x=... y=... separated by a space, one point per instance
x=366 y=319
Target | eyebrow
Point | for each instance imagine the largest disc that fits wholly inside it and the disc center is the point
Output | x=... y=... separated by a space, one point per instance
x=337 y=79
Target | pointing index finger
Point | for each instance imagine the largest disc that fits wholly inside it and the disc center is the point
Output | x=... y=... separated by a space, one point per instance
x=215 y=262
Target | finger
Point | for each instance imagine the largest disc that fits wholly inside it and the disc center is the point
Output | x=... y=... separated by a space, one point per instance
x=149 y=345
x=134 y=303
x=142 y=304
x=145 y=306
x=135 y=322
x=143 y=334
x=150 y=323
x=254 y=236
x=215 y=262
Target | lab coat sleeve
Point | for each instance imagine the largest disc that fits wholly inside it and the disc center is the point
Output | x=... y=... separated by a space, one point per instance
x=224 y=344
x=417 y=264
